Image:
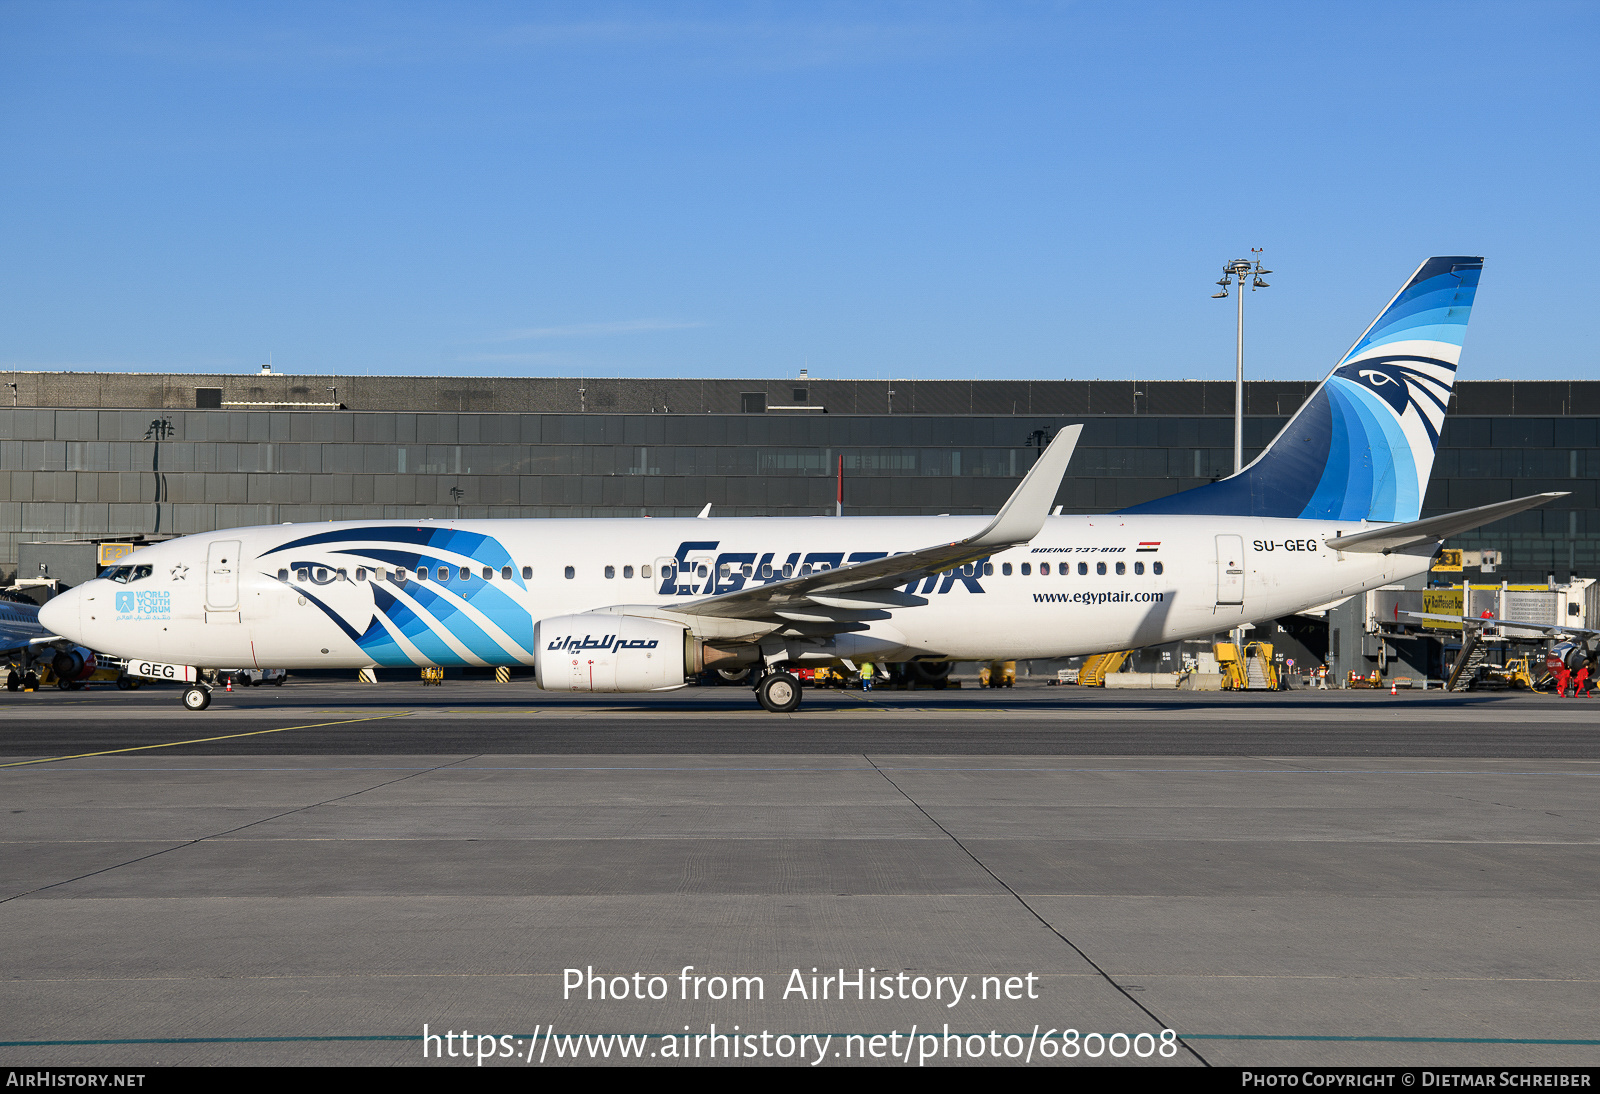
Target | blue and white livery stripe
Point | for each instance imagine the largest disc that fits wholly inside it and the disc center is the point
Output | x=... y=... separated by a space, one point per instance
x=472 y=622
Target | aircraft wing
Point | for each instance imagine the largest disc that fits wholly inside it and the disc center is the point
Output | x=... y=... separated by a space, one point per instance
x=834 y=599
x=19 y=634
x=1396 y=537
x=14 y=636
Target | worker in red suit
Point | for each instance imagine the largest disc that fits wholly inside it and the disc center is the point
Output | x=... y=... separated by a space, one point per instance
x=1563 y=675
x=1580 y=681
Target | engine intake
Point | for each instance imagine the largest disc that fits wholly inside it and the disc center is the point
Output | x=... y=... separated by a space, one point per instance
x=74 y=664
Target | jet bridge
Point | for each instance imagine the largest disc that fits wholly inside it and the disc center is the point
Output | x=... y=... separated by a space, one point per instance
x=1461 y=656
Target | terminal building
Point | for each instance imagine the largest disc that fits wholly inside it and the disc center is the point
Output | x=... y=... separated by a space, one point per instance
x=111 y=456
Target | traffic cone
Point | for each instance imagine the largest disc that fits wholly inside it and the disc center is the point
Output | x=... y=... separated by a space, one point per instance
x=1394 y=689
x=230 y=683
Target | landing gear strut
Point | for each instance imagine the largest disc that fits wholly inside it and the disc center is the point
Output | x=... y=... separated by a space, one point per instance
x=778 y=692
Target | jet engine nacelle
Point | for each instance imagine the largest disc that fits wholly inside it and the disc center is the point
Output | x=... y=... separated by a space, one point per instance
x=1570 y=655
x=931 y=672
x=76 y=663
x=595 y=651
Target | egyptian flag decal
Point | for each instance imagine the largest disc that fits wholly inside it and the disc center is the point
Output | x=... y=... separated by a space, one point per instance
x=1147 y=545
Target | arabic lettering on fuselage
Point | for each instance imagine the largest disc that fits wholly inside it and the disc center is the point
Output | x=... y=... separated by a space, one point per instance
x=604 y=642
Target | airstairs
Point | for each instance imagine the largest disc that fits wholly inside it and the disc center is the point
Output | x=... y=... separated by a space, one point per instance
x=1257 y=678
x=1464 y=673
x=1094 y=671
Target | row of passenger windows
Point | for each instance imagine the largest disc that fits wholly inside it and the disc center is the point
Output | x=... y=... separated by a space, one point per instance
x=725 y=571
x=322 y=575
x=1066 y=567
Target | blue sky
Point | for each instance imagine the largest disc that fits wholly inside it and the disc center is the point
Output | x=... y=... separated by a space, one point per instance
x=869 y=189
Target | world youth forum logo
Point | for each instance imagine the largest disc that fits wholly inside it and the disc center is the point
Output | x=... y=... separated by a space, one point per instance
x=154 y=602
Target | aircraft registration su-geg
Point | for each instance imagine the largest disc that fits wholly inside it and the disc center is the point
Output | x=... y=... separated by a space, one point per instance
x=1329 y=509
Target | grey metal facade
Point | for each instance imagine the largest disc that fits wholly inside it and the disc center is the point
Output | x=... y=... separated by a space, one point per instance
x=87 y=464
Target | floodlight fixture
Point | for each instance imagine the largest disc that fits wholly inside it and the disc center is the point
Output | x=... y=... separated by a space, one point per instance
x=1240 y=269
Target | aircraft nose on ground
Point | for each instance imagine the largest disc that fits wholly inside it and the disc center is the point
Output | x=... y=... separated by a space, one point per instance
x=61 y=615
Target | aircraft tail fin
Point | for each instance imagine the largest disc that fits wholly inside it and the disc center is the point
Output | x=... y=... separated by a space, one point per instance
x=1362 y=446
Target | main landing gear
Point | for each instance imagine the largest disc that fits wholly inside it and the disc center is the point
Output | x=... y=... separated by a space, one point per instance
x=778 y=692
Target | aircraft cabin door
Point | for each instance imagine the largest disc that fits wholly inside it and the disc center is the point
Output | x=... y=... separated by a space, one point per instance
x=1230 y=569
x=222 y=576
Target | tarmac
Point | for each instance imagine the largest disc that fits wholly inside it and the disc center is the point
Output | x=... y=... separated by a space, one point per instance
x=315 y=874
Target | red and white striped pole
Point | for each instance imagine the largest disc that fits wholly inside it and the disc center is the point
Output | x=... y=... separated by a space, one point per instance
x=838 y=502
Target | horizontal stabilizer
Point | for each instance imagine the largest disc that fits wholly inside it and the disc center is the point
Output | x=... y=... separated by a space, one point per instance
x=1397 y=537
x=1320 y=611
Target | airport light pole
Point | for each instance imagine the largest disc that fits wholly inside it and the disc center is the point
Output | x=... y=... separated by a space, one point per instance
x=1240 y=268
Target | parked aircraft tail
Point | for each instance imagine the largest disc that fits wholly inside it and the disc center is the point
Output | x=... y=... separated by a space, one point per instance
x=1362 y=446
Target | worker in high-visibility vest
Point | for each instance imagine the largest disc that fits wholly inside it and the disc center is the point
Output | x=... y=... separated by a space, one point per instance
x=866 y=675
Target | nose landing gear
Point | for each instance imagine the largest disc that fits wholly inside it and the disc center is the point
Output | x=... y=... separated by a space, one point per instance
x=196 y=697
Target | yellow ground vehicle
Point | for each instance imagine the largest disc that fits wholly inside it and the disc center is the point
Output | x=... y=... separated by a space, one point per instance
x=998 y=674
x=825 y=677
x=1514 y=674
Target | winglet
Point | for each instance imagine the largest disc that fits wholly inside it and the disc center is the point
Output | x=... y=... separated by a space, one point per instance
x=1018 y=521
x=1021 y=517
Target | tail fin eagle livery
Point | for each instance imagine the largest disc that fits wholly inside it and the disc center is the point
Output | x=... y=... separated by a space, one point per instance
x=1362 y=446
x=1329 y=509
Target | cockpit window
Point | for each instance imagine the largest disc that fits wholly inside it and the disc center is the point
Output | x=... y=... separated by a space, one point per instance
x=122 y=575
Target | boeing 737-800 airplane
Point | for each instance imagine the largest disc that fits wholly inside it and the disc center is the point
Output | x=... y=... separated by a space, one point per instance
x=1329 y=509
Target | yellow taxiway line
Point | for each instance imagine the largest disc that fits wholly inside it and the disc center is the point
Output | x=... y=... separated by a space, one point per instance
x=202 y=740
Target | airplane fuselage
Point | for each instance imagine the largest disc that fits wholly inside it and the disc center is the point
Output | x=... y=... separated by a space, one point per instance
x=470 y=592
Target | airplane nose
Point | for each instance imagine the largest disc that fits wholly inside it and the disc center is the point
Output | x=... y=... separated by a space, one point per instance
x=61 y=615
